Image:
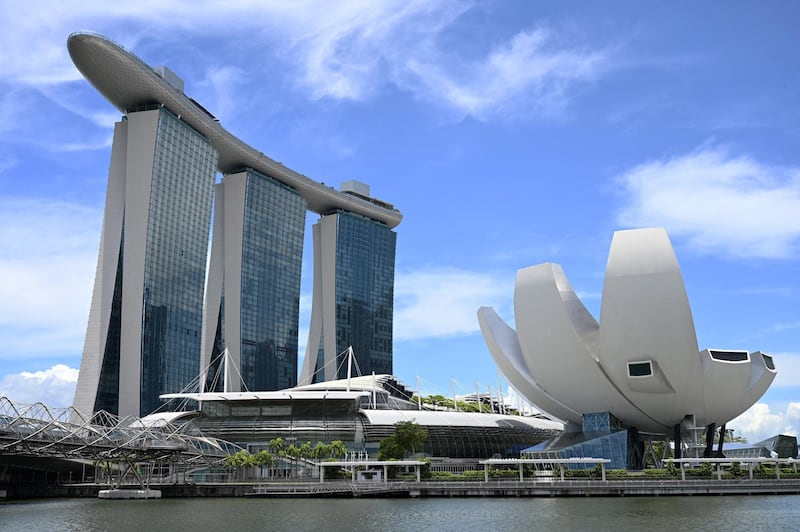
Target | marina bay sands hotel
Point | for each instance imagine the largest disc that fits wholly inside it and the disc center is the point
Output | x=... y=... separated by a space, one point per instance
x=162 y=311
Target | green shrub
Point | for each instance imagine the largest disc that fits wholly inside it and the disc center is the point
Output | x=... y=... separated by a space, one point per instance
x=425 y=470
x=789 y=473
x=673 y=469
x=660 y=473
x=704 y=471
x=763 y=471
x=577 y=473
x=335 y=473
x=616 y=474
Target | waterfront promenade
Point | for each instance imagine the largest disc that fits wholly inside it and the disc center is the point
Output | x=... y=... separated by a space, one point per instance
x=495 y=488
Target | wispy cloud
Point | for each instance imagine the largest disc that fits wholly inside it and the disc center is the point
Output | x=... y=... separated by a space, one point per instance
x=360 y=45
x=531 y=74
x=84 y=146
x=778 y=327
x=441 y=302
x=718 y=202
x=46 y=270
x=55 y=387
x=222 y=82
x=347 y=54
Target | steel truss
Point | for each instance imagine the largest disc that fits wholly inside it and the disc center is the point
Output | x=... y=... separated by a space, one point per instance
x=127 y=444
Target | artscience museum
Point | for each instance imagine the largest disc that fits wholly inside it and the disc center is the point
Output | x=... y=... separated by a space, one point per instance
x=635 y=375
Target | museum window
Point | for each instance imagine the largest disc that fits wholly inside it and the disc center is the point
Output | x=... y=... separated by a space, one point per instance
x=730 y=356
x=639 y=369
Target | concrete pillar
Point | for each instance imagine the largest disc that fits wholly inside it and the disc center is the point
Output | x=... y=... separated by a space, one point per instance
x=486 y=472
x=603 y=470
x=521 y=473
x=385 y=473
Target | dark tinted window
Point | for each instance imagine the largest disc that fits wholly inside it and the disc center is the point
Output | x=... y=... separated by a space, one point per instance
x=639 y=369
x=729 y=356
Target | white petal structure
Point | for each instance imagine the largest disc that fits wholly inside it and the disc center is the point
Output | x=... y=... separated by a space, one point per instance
x=504 y=347
x=641 y=363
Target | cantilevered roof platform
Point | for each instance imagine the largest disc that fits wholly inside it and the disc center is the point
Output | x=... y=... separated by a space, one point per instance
x=129 y=83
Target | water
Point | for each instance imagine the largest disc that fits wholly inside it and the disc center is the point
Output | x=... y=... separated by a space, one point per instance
x=718 y=514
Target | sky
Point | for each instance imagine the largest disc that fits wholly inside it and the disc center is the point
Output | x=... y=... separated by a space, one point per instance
x=509 y=133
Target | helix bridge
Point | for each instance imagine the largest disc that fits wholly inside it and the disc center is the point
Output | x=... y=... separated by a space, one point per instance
x=36 y=431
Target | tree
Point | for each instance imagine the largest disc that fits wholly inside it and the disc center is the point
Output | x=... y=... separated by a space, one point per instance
x=338 y=449
x=293 y=452
x=241 y=460
x=410 y=436
x=305 y=450
x=321 y=450
x=730 y=438
x=263 y=458
x=277 y=446
x=389 y=449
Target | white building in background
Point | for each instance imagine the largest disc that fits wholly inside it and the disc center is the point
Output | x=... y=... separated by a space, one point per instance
x=640 y=363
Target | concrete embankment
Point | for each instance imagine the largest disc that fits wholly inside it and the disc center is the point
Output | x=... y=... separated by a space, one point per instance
x=611 y=488
x=567 y=488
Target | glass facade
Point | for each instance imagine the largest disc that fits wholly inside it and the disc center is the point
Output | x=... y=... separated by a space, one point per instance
x=250 y=423
x=365 y=252
x=784 y=446
x=257 y=422
x=108 y=388
x=272 y=253
x=179 y=220
x=600 y=423
x=602 y=436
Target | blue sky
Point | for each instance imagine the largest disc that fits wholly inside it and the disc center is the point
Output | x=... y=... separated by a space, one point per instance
x=509 y=133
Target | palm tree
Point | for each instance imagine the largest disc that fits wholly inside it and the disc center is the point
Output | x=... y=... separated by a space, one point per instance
x=277 y=446
x=263 y=458
x=241 y=460
x=338 y=449
x=306 y=451
x=322 y=450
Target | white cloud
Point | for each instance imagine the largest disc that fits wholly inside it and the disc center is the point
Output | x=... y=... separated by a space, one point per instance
x=223 y=81
x=55 y=387
x=720 y=203
x=84 y=146
x=357 y=45
x=347 y=53
x=46 y=271
x=444 y=302
x=779 y=327
x=760 y=422
x=527 y=75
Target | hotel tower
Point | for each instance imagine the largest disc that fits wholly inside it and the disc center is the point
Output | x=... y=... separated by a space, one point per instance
x=159 y=318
